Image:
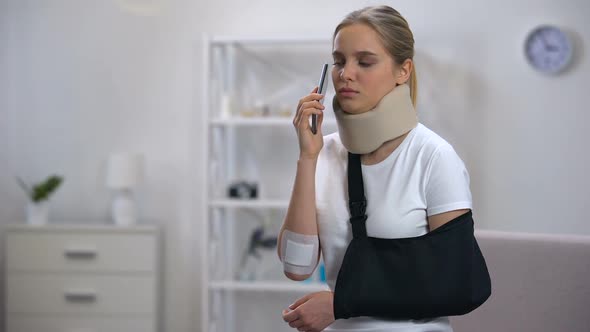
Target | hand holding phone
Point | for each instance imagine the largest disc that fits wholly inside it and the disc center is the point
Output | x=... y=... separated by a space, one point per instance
x=322 y=85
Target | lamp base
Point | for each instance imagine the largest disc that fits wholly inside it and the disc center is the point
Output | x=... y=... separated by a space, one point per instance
x=124 y=211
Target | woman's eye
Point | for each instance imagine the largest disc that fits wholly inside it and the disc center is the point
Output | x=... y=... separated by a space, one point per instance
x=337 y=64
x=365 y=64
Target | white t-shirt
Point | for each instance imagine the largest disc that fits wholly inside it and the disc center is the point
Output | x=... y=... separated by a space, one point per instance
x=423 y=176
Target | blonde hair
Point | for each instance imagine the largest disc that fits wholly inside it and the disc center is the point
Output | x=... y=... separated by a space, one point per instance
x=394 y=32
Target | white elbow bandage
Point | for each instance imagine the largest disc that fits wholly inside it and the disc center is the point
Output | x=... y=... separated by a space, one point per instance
x=299 y=252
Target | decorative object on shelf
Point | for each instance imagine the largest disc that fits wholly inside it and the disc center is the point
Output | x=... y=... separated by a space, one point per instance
x=38 y=194
x=322 y=272
x=247 y=270
x=257 y=110
x=227 y=106
x=243 y=190
x=548 y=49
x=318 y=276
x=124 y=172
x=285 y=111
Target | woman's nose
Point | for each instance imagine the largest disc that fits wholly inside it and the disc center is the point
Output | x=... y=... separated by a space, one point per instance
x=346 y=73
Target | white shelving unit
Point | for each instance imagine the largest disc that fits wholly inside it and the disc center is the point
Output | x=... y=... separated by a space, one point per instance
x=247 y=139
x=268 y=286
x=253 y=204
x=258 y=121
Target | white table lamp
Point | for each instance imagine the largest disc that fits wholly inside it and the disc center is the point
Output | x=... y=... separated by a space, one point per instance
x=124 y=172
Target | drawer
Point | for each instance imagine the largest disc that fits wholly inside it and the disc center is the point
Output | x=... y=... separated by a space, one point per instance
x=80 y=251
x=60 y=323
x=80 y=294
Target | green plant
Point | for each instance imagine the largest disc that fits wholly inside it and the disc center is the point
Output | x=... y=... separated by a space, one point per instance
x=42 y=190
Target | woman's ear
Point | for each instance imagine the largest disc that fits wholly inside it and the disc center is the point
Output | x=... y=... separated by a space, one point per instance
x=404 y=71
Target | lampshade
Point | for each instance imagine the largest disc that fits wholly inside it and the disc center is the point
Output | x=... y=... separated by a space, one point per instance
x=124 y=170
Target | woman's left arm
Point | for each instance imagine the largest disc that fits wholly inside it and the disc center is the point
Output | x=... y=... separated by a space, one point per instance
x=437 y=220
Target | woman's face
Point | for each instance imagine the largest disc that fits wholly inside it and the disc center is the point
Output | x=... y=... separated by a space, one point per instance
x=363 y=71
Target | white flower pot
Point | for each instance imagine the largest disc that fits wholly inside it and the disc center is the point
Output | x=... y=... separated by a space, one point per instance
x=37 y=212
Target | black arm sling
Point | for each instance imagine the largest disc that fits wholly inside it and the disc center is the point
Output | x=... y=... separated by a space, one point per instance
x=441 y=273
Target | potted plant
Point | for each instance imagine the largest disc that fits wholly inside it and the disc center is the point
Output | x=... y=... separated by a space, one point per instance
x=38 y=194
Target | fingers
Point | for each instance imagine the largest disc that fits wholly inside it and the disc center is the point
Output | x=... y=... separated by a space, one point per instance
x=290 y=316
x=302 y=122
x=297 y=324
x=313 y=103
x=294 y=318
x=300 y=301
x=320 y=121
x=312 y=96
x=295 y=321
x=305 y=111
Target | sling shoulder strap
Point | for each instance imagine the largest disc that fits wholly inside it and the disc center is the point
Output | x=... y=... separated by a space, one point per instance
x=357 y=203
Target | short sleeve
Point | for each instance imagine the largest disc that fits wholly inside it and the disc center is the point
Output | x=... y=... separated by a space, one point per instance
x=447 y=184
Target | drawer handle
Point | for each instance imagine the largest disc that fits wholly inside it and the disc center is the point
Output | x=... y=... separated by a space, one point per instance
x=80 y=295
x=80 y=253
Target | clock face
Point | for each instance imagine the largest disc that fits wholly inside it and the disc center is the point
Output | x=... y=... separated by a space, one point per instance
x=548 y=49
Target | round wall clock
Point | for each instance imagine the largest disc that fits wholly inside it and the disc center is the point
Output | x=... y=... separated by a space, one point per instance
x=548 y=49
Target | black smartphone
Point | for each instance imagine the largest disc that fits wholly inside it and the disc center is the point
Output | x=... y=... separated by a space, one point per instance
x=322 y=85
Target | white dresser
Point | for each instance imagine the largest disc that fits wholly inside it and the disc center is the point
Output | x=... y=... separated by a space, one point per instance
x=62 y=278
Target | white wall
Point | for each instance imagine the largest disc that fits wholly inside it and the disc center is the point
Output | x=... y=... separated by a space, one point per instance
x=79 y=79
x=521 y=133
x=83 y=78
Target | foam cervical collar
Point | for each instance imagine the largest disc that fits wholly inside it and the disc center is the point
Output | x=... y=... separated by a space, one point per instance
x=393 y=116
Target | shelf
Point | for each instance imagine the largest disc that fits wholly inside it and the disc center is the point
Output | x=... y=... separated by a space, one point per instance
x=231 y=129
x=271 y=286
x=260 y=121
x=220 y=40
x=253 y=203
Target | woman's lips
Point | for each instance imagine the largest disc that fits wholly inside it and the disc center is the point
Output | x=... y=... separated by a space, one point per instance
x=345 y=92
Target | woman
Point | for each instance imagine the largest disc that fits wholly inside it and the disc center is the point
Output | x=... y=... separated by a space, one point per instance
x=413 y=179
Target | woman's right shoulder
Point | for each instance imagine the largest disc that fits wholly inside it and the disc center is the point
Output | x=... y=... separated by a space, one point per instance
x=332 y=139
x=332 y=162
x=333 y=148
x=332 y=143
